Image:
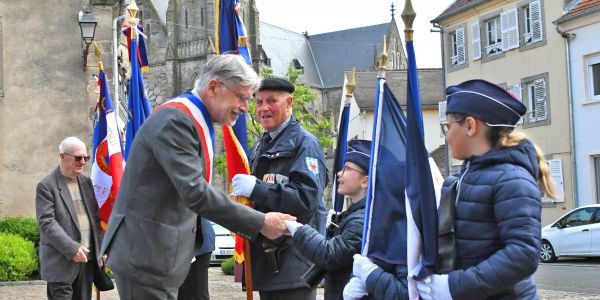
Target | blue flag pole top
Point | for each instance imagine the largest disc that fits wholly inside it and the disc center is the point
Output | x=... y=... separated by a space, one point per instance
x=342 y=143
x=384 y=235
x=137 y=102
x=420 y=189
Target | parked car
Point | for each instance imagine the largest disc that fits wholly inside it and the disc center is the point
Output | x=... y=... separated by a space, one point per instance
x=577 y=233
x=224 y=244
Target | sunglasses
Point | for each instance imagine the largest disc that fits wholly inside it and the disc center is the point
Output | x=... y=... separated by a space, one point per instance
x=78 y=158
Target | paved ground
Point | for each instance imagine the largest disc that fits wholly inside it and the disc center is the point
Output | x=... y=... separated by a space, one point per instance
x=221 y=287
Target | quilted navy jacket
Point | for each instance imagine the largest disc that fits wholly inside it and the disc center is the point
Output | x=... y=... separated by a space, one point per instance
x=334 y=254
x=498 y=231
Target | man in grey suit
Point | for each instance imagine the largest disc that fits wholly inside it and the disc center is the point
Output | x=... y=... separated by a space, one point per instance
x=152 y=228
x=70 y=234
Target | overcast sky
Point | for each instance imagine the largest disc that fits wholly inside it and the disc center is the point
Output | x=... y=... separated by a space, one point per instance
x=319 y=16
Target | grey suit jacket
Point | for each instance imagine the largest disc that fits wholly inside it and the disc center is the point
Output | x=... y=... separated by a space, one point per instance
x=151 y=231
x=59 y=225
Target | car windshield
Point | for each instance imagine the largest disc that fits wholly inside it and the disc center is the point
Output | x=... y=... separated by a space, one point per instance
x=220 y=230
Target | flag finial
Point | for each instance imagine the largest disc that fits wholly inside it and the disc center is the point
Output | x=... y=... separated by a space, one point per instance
x=132 y=21
x=350 y=85
x=383 y=58
x=408 y=16
x=98 y=53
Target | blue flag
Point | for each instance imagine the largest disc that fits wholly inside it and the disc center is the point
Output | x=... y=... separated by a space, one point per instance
x=231 y=33
x=137 y=103
x=420 y=188
x=385 y=233
x=340 y=154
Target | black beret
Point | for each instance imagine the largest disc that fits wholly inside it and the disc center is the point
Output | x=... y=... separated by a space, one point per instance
x=276 y=84
x=485 y=101
x=359 y=152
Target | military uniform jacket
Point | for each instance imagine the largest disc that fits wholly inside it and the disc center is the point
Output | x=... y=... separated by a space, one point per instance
x=295 y=176
x=152 y=228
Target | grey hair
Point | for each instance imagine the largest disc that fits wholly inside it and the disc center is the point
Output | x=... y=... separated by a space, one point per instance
x=230 y=69
x=69 y=143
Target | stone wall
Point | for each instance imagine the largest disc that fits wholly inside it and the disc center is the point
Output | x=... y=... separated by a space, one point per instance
x=47 y=94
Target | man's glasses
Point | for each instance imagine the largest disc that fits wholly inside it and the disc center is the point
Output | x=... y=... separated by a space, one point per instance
x=446 y=125
x=78 y=158
x=241 y=98
x=349 y=168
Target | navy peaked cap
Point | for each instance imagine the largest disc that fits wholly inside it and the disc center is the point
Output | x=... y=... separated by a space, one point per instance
x=359 y=152
x=276 y=84
x=485 y=101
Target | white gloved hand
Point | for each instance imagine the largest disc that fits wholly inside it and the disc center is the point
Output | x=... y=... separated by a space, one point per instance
x=292 y=226
x=243 y=185
x=330 y=215
x=362 y=267
x=434 y=287
x=355 y=289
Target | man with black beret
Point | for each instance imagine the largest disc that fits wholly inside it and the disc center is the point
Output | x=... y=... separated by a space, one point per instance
x=288 y=175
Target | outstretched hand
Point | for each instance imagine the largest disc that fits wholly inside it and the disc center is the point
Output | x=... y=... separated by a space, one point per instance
x=274 y=227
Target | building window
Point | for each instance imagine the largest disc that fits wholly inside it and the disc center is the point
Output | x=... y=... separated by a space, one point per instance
x=536 y=97
x=515 y=90
x=458 y=47
x=593 y=78
x=297 y=65
x=532 y=14
x=597 y=177
x=494 y=36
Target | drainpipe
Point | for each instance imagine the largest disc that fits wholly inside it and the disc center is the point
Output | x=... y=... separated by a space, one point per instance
x=440 y=29
x=116 y=64
x=568 y=37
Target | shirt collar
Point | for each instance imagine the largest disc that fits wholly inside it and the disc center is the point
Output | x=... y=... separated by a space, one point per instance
x=280 y=128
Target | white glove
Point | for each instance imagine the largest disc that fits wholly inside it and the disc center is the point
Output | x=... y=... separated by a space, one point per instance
x=330 y=215
x=292 y=226
x=362 y=267
x=243 y=185
x=355 y=289
x=434 y=287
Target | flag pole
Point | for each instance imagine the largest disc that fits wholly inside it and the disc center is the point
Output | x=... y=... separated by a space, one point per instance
x=248 y=270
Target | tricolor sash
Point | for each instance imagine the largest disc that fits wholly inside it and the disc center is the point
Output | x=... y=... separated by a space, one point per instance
x=193 y=107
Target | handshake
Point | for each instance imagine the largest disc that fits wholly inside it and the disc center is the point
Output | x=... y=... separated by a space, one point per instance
x=273 y=226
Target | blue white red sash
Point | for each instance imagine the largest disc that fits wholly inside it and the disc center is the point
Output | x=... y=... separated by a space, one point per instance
x=193 y=107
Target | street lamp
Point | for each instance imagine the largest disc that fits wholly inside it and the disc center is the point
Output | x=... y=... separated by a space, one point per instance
x=87 y=24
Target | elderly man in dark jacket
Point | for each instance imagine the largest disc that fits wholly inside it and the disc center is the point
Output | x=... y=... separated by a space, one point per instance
x=290 y=167
x=335 y=254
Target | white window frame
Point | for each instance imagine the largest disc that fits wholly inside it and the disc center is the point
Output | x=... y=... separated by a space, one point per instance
x=537 y=95
x=596 y=177
x=533 y=23
x=493 y=31
x=458 y=51
x=591 y=85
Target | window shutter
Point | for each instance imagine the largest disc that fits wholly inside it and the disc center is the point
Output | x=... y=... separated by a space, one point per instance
x=535 y=13
x=556 y=172
x=539 y=86
x=510 y=29
x=442 y=111
x=460 y=46
x=516 y=91
x=476 y=41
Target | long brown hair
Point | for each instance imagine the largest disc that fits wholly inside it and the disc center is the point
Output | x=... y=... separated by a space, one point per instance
x=504 y=137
